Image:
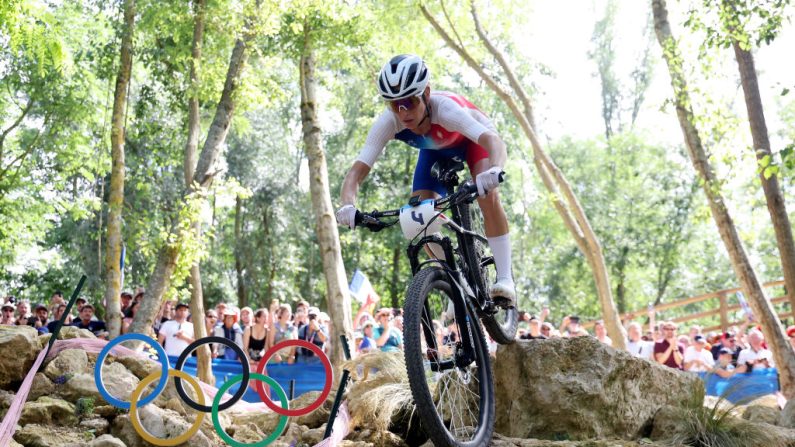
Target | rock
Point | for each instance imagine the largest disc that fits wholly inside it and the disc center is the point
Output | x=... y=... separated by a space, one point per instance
x=107 y=441
x=787 y=417
x=118 y=381
x=159 y=423
x=14 y=444
x=68 y=332
x=6 y=398
x=24 y=343
x=69 y=361
x=35 y=435
x=768 y=400
x=47 y=410
x=313 y=435
x=317 y=417
x=265 y=421
x=107 y=411
x=759 y=413
x=583 y=389
x=98 y=426
x=41 y=386
x=666 y=422
x=139 y=366
x=375 y=437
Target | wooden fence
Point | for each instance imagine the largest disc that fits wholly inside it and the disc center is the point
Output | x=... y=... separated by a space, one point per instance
x=724 y=309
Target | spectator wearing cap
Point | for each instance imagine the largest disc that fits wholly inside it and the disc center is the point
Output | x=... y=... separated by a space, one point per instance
x=756 y=355
x=175 y=335
x=635 y=345
x=85 y=321
x=570 y=326
x=534 y=329
x=791 y=335
x=698 y=359
x=315 y=332
x=126 y=301
x=368 y=342
x=668 y=352
x=729 y=342
x=230 y=330
x=724 y=367
x=41 y=318
x=387 y=337
x=8 y=315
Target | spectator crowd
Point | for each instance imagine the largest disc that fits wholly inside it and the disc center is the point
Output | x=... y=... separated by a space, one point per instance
x=256 y=331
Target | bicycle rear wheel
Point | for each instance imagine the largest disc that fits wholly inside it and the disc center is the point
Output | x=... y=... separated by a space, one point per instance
x=455 y=402
x=501 y=324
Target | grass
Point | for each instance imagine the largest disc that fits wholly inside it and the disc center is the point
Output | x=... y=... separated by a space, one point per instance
x=716 y=426
x=378 y=397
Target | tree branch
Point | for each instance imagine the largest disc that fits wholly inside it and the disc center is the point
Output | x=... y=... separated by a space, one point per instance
x=14 y=125
x=450 y=22
x=512 y=80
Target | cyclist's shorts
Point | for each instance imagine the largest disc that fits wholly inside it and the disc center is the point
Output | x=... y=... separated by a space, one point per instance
x=471 y=152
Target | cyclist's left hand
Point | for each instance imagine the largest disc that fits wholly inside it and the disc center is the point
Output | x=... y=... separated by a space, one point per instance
x=488 y=180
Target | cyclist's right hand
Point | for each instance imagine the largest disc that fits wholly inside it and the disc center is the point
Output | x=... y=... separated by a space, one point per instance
x=346 y=216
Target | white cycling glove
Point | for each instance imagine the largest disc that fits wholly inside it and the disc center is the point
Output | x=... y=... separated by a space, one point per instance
x=488 y=180
x=346 y=216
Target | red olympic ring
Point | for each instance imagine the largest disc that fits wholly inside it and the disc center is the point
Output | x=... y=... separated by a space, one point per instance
x=326 y=387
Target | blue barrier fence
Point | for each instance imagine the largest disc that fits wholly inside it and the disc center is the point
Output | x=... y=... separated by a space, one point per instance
x=307 y=376
x=311 y=377
x=741 y=388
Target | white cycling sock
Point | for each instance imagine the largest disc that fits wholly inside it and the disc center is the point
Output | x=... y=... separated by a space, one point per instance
x=501 y=249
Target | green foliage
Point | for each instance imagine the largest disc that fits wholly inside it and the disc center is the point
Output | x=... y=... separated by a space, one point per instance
x=84 y=407
x=749 y=22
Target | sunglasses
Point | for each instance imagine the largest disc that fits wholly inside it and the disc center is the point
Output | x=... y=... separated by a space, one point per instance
x=407 y=104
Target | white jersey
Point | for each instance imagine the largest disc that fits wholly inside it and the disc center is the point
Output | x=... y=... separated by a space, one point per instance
x=453 y=121
x=173 y=345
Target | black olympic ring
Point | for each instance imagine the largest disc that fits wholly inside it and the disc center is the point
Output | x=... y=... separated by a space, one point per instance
x=243 y=385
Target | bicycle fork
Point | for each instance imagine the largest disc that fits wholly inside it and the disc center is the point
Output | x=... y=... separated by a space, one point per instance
x=464 y=315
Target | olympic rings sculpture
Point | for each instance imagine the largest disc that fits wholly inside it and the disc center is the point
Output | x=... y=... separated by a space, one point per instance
x=161 y=377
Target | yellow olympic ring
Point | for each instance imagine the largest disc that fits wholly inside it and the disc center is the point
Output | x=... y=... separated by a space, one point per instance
x=134 y=406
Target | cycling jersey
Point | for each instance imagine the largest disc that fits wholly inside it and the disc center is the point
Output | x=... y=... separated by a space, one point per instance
x=456 y=126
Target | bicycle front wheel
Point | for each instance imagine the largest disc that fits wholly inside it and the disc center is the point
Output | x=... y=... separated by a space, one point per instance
x=454 y=398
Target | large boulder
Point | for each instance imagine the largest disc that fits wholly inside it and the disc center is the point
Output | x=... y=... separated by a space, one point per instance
x=47 y=410
x=760 y=413
x=41 y=386
x=119 y=382
x=787 y=417
x=580 y=388
x=159 y=423
x=69 y=332
x=69 y=361
x=24 y=343
x=35 y=435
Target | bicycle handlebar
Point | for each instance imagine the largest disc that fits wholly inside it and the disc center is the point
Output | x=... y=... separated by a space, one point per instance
x=467 y=191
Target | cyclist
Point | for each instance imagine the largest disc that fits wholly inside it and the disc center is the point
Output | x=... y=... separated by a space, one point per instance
x=442 y=125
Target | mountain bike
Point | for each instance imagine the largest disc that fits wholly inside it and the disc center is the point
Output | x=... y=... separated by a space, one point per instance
x=447 y=358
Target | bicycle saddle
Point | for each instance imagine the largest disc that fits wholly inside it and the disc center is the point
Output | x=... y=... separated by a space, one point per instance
x=442 y=167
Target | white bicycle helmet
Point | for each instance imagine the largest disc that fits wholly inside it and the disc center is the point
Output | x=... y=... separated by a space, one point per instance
x=403 y=76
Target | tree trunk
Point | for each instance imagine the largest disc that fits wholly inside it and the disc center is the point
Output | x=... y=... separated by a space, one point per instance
x=205 y=172
x=561 y=193
x=775 y=199
x=204 y=361
x=337 y=297
x=241 y=288
x=113 y=314
x=393 y=284
x=763 y=310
